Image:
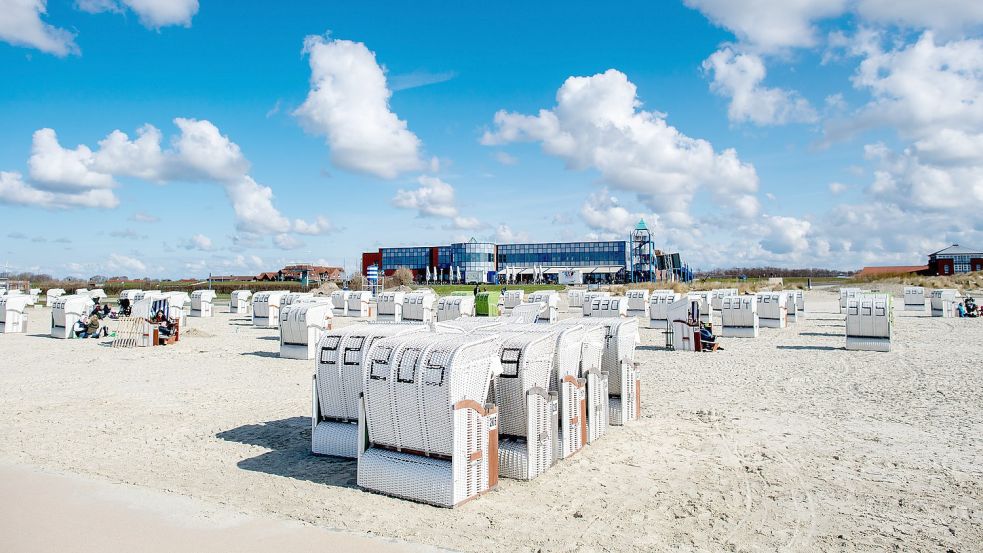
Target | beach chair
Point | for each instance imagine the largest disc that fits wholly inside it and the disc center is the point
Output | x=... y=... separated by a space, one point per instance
x=509 y=299
x=792 y=306
x=337 y=386
x=419 y=306
x=717 y=296
x=551 y=301
x=359 y=304
x=389 y=306
x=621 y=337
x=575 y=298
x=201 y=303
x=339 y=298
x=454 y=307
x=430 y=435
x=914 y=298
x=638 y=303
x=609 y=306
x=295 y=297
x=301 y=325
x=845 y=294
x=527 y=313
x=240 y=302
x=739 y=317
x=800 y=303
x=705 y=301
x=51 y=295
x=13 y=313
x=528 y=411
x=266 y=308
x=35 y=294
x=944 y=302
x=659 y=302
x=66 y=311
x=772 y=309
x=684 y=319
x=868 y=322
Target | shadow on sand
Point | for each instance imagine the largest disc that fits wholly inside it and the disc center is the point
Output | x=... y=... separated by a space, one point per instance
x=268 y=354
x=290 y=442
x=814 y=348
x=831 y=334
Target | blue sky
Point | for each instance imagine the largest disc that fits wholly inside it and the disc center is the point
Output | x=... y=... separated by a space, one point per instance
x=821 y=134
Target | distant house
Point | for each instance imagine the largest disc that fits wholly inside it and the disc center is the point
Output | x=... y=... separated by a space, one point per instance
x=955 y=259
x=315 y=273
x=268 y=276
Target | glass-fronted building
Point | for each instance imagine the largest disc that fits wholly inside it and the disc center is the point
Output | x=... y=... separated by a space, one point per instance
x=564 y=254
x=484 y=262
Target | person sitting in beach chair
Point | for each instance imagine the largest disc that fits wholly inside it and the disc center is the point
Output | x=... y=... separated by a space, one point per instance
x=93 y=328
x=166 y=327
x=124 y=307
x=708 y=342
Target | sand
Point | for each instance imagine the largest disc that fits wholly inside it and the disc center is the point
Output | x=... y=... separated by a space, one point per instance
x=785 y=442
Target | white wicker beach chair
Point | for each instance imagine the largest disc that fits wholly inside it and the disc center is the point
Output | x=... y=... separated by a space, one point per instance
x=240 y=302
x=66 y=311
x=266 y=308
x=868 y=322
x=618 y=361
x=13 y=313
x=845 y=294
x=772 y=309
x=638 y=303
x=419 y=307
x=51 y=295
x=389 y=306
x=35 y=294
x=717 y=296
x=566 y=381
x=685 y=316
x=739 y=317
x=792 y=306
x=944 y=302
x=295 y=297
x=337 y=387
x=467 y=325
x=610 y=306
x=301 y=325
x=800 y=303
x=359 y=304
x=914 y=298
x=706 y=309
x=551 y=301
x=430 y=436
x=509 y=299
x=528 y=411
x=201 y=303
x=575 y=298
x=340 y=300
x=454 y=307
x=526 y=313
x=659 y=302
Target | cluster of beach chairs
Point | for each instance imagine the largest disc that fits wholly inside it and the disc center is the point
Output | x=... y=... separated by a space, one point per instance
x=436 y=410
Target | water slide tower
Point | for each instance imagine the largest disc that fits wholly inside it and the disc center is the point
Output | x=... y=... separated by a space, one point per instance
x=644 y=265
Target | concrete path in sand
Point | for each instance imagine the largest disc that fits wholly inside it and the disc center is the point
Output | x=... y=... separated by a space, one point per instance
x=43 y=511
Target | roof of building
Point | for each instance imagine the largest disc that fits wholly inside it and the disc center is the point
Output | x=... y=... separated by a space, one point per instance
x=956 y=249
x=891 y=269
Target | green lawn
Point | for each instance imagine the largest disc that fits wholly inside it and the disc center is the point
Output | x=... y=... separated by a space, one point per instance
x=447 y=289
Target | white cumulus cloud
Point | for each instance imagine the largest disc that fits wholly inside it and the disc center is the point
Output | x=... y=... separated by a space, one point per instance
x=770 y=25
x=597 y=123
x=153 y=14
x=348 y=103
x=739 y=76
x=21 y=25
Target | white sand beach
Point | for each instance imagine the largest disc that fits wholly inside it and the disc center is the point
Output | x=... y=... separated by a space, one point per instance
x=786 y=442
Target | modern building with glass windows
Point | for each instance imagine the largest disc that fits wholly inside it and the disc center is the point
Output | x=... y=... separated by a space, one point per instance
x=484 y=262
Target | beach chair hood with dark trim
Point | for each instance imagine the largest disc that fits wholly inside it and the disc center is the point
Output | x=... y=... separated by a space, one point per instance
x=551 y=300
x=454 y=307
x=389 y=306
x=419 y=306
x=338 y=381
x=659 y=302
x=13 y=313
x=638 y=303
x=266 y=308
x=772 y=309
x=430 y=435
x=611 y=306
x=739 y=317
x=339 y=298
x=201 y=303
x=301 y=325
